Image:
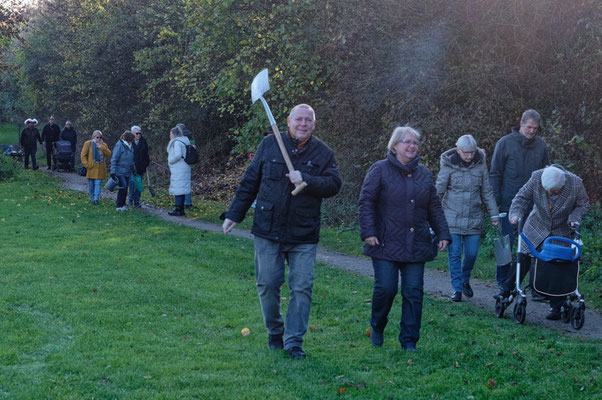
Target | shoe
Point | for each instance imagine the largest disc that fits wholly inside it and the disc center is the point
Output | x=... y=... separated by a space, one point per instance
x=49 y=168
x=275 y=342
x=553 y=314
x=124 y=208
x=296 y=353
x=187 y=205
x=376 y=338
x=177 y=212
x=456 y=296
x=467 y=290
x=503 y=293
x=538 y=297
x=410 y=347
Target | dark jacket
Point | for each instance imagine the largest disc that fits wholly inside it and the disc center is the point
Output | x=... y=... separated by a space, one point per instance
x=397 y=204
x=463 y=188
x=30 y=137
x=514 y=160
x=279 y=216
x=70 y=136
x=50 y=134
x=141 y=157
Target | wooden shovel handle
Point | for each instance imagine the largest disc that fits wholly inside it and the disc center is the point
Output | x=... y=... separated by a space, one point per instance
x=287 y=159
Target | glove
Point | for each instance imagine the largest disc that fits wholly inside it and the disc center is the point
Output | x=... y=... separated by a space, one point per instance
x=114 y=177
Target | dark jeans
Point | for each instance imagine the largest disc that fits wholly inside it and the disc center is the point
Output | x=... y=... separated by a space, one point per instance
x=49 y=154
x=386 y=279
x=72 y=160
x=179 y=200
x=124 y=182
x=30 y=152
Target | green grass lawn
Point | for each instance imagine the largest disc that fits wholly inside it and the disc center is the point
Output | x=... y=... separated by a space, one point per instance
x=8 y=134
x=100 y=304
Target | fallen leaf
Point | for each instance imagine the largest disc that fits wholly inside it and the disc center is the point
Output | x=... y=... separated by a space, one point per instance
x=457 y=364
x=245 y=332
x=368 y=332
x=313 y=328
x=339 y=377
x=491 y=383
x=410 y=362
x=147 y=376
x=342 y=389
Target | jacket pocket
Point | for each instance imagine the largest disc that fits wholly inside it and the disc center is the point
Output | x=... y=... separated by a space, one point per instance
x=307 y=223
x=263 y=216
x=275 y=170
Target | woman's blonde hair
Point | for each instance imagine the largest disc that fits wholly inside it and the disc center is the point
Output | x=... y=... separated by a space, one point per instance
x=96 y=132
x=399 y=133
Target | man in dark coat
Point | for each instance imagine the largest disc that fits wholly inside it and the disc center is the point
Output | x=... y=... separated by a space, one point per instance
x=141 y=160
x=50 y=134
x=286 y=227
x=30 y=136
x=70 y=135
x=515 y=157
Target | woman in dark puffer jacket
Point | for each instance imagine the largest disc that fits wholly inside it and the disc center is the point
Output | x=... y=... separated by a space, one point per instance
x=398 y=202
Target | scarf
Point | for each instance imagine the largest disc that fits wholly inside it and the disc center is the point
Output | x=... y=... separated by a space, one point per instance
x=299 y=143
x=96 y=154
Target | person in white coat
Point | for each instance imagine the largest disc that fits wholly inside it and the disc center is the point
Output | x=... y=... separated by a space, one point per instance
x=179 y=181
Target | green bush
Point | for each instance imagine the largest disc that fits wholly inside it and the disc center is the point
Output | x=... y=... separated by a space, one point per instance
x=9 y=168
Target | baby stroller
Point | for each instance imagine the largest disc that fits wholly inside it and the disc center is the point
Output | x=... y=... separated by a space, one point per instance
x=555 y=273
x=61 y=155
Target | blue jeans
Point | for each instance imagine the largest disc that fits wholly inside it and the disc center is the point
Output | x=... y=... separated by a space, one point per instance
x=386 y=278
x=188 y=199
x=124 y=182
x=270 y=257
x=460 y=269
x=94 y=188
x=134 y=194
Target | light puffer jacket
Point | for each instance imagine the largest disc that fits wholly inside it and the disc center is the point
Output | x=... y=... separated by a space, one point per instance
x=463 y=190
x=179 y=181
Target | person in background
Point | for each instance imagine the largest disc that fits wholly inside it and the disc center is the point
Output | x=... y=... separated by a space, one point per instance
x=286 y=227
x=50 y=134
x=179 y=180
x=515 y=157
x=398 y=204
x=141 y=160
x=559 y=203
x=463 y=186
x=188 y=134
x=93 y=156
x=30 y=136
x=68 y=133
x=122 y=167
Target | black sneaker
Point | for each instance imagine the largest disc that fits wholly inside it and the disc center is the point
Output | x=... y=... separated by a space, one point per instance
x=467 y=290
x=410 y=347
x=456 y=296
x=553 y=314
x=376 y=338
x=275 y=342
x=296 y=353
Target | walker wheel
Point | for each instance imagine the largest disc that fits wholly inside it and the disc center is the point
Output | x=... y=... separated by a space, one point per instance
x=566 y=311
x=499 y=308
x=520 y=312
x=578 y=317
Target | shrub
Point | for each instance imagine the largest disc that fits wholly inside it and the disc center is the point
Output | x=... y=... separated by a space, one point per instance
x=8 y=168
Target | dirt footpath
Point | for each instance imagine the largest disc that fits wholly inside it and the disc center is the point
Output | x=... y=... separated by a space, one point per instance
x=436 y=283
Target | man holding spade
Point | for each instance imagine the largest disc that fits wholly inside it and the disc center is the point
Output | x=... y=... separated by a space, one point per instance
x=286 y=225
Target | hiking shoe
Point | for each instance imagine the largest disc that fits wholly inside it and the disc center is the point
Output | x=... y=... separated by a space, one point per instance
x=553 y=314
x=456 y=296
x=376 y=338
x=123 y=208
x=275 y=342
x=467 y=290
x=296 y=353
x=410 y=347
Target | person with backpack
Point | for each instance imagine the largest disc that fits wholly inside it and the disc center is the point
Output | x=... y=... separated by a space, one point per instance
x=179 y=180
x=188 y=134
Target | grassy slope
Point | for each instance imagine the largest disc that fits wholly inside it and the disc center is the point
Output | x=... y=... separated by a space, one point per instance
x=99 y=304
x=8 y=134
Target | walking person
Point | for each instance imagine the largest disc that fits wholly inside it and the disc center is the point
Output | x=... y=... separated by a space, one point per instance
x=122 y=167
x=94 y=153
x=141 y=160
x=463 y=186
x=559 y=202
x=515 y=157
x=286 y=227
x=179 y=179
x=30 y=136
x=188 y=134
x=50 y=134
x=68 y=133
x=398 y=203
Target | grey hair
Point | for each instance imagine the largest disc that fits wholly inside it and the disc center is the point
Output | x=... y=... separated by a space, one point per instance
x=399 y=133
x=67 y=123
x=177 y=131
x=531 y=115
x=467 y=143
x=303 y=105
x=552 y=178
x=135 y=128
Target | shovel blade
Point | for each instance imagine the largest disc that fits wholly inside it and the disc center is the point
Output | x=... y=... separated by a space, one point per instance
x=503 y=253
x=260 y=85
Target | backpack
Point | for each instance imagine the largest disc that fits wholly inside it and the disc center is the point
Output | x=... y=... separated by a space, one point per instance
x=192 y=155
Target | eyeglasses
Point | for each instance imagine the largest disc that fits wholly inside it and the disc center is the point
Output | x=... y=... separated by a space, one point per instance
x=405 y=141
